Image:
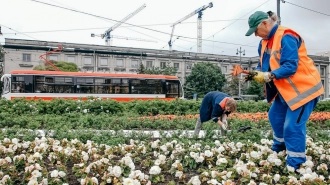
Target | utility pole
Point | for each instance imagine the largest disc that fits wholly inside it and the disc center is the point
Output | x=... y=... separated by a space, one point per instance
x=278 y=11
x=240 y=63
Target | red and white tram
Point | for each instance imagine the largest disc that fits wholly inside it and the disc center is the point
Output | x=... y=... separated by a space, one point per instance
x=47 y=85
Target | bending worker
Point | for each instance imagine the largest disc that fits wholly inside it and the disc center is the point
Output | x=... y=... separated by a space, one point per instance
x=292 y=83
x=215 y=105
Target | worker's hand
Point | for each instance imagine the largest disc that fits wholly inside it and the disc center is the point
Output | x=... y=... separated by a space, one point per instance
x=262 y=77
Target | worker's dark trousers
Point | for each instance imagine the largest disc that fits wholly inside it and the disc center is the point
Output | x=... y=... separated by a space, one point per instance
x=290 y=129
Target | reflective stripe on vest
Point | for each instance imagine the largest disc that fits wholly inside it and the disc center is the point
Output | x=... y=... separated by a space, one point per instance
x=307 y=75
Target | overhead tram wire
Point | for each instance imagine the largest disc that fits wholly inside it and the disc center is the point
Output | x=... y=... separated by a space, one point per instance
x=146 y=25
x=17 y=31
x=234 y=22
x=135 y=25
x=306 y=8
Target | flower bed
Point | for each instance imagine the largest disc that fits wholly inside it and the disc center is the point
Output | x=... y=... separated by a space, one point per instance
x=49 y=161
x=258 y=116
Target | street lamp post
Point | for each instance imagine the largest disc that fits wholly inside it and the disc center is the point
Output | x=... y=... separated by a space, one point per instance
x=240 y=63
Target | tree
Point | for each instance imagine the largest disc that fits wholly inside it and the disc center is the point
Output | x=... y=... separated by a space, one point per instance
x=256 y=88
x=164 y=70
x=204 y=77
x=62 y=65
x=141 y=69
x=2 y=59
x=231 y=87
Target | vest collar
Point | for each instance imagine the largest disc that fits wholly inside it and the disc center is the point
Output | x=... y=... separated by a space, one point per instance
x=272 y=32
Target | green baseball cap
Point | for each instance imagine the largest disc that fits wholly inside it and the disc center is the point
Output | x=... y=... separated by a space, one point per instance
x=254 y=20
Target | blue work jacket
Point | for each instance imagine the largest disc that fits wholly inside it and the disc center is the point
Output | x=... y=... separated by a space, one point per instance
x=210 y=108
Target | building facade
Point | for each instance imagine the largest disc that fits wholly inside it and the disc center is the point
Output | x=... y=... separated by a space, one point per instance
x=25 y=55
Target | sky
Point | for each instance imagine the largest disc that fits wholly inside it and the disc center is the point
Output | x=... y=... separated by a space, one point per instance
x=223 y=29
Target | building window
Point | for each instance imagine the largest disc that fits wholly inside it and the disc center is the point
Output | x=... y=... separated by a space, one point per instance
x=134 y=64
x=224 y=69
x=88 y=60
x=104 y=62
x=189 y=66
x=162 y=64
x=26 y=57
x=322 y=71
x=53 y=58
x=71 y=59
x=149 y=64
x=120 y=63
x=176 y=65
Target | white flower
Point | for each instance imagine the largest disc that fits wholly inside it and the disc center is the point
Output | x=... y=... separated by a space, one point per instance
x=254 y=154
x=195 y=181
x=199 y=159
x=276 y=177
x=239 y=145
x=61 y=174
x=222 y=161
x=308 y=164
x=85 y=111
x=155 y=170
x=33 y=181
x=208 y=153
x=217 y=143
x=290 y=168
x=252 y=182
x=214 y=174
x=127 y=181
x=117 y=171
x=277 y=162
x=163 y=147
x=36 y=173
x=94 y=179
x=83 y=181
x=162 y=159
x=54 y=174
x=8 y=159
x=178 y=174
x=4 y=179
x=213 y=181
x=155 y=144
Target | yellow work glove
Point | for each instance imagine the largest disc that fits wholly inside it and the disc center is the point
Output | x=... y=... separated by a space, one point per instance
x=261 y=77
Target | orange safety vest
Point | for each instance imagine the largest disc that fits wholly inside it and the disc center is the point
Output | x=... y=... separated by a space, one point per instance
x=305 y=84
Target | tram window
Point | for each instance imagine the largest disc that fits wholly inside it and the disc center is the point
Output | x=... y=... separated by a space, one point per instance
x=172 y=88
x=154 y=87
x=116 y=81
x=85 y=80
x=40 y=79
x=139 y=86
x=42 y=88
x=99 y=81
x=49 y=80
x=64 y=89
x=99 y=89
x=62 y=80
x=85 y=89
x=18 y=79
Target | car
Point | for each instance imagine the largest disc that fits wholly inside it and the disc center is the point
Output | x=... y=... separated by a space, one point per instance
x=237 y=98
x=326 y=99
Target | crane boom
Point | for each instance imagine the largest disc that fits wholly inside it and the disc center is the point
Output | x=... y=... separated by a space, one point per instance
x=199 y=27
x=107 y=32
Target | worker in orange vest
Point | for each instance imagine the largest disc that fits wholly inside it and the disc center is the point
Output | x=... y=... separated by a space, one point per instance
x=292 y=83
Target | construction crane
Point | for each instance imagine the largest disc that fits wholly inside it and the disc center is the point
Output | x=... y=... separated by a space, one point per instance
x=199 y=11
x=107 y=35
x=44 y=56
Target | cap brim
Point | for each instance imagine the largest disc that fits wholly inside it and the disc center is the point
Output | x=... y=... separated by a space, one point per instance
x=251 y=31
